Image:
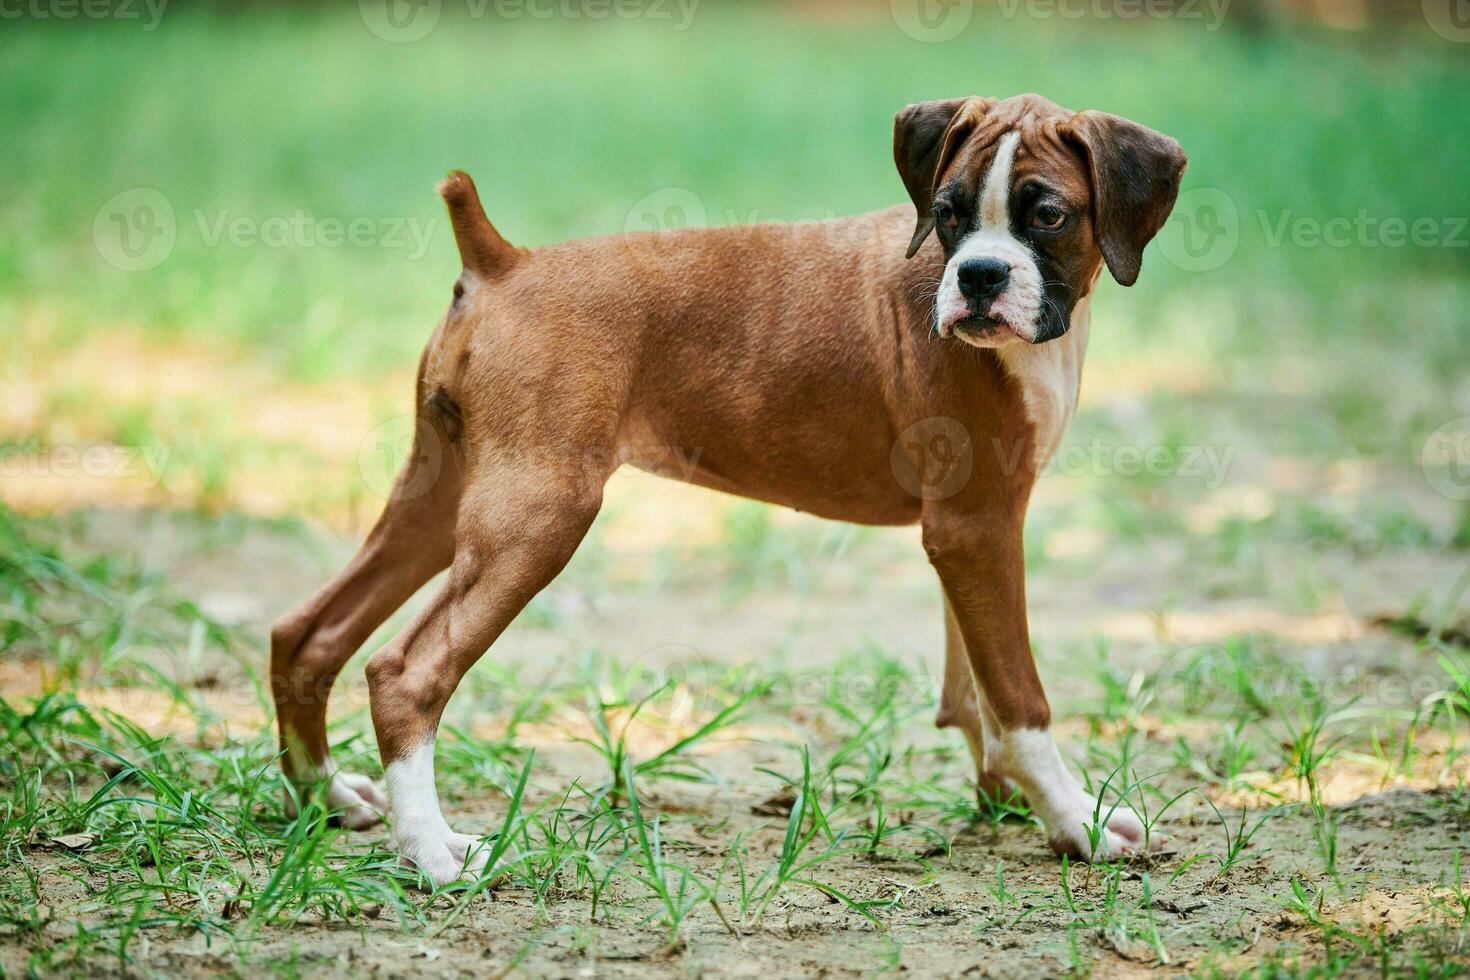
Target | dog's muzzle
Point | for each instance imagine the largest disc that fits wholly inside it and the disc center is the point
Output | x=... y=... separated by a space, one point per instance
x=981 y=281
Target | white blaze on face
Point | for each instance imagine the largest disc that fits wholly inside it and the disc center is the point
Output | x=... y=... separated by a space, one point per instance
x=1019 y=306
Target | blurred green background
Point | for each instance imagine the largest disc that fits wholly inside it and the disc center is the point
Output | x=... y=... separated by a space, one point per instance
x=727 y=112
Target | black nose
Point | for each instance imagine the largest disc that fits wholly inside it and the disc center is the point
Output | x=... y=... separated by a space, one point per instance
x=982 y=280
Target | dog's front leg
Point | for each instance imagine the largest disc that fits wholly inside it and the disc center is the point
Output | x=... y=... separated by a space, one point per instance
x=979 y=560
x=960 y=707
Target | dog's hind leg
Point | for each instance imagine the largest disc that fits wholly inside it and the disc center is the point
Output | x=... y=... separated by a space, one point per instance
x=411 y=542
x=518 y=526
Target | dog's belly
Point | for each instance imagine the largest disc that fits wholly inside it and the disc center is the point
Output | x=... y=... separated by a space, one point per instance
x=858 y=486
x=821 y=501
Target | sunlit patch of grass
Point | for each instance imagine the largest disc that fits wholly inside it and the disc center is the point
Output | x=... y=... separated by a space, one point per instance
x=98 y=620
x=675 y=717
x=166 y=835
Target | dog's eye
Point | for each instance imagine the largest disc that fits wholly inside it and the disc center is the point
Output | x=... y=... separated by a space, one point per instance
x=1048 y=217
x=943 y=213
x=458 y=291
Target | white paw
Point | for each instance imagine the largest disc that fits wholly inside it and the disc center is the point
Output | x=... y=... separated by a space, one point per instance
x=1078 y=835
x=444 y=856
x=355 y=800
x=361 y=802
x=1075 y=823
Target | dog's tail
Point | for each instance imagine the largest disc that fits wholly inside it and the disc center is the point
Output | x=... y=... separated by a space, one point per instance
x=481 y=248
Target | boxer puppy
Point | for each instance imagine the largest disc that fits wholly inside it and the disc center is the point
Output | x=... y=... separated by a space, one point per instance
x=820 y=366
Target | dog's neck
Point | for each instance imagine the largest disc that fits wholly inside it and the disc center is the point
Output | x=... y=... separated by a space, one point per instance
x=1050 y=376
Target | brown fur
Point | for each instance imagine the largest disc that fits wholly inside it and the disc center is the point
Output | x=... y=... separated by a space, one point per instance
x=778 y=362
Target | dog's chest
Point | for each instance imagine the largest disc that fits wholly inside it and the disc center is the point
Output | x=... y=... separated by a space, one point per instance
x=1049 y=376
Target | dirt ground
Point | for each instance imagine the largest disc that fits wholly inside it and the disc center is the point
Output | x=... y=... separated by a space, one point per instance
x=955 y=890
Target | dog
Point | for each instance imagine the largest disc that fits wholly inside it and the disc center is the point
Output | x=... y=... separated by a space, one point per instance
x=821 y=366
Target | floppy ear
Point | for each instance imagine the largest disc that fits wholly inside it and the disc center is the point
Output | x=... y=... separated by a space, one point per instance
x=1135 y=178
x=481 y=249
x=925 y=137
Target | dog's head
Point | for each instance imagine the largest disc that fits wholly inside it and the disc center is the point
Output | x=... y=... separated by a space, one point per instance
x=1028 y=200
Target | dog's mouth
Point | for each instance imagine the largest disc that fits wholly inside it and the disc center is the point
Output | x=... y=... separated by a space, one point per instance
x=982 y=330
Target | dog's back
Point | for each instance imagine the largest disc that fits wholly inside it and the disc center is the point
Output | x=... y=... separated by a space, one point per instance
x=729 y=318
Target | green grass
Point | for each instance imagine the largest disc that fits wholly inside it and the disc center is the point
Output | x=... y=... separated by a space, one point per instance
x=184 y=834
